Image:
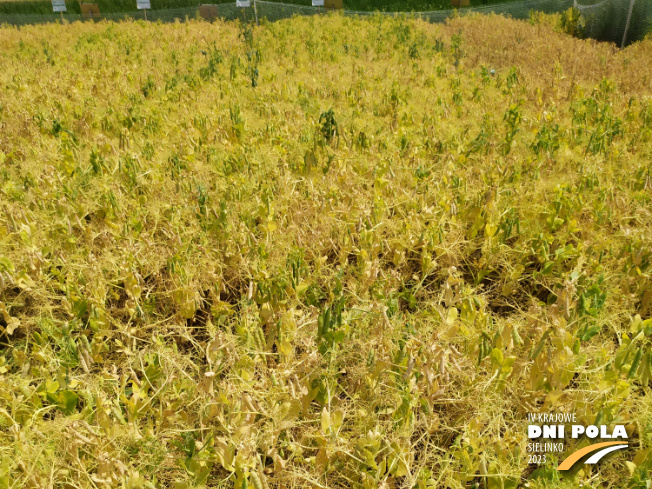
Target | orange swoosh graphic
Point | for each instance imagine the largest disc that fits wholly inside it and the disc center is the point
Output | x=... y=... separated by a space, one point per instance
x=570 y=461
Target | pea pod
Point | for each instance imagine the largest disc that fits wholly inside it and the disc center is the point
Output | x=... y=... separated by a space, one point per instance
x=255 y=480
x=635 y=363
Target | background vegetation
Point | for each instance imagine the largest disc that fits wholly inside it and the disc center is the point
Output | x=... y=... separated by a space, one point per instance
x=107 y=6
x=330 y=252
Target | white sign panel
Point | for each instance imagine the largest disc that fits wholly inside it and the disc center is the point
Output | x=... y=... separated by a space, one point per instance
x=317 y=3
x=242 y=3
x=58 y=5
x=143 y=4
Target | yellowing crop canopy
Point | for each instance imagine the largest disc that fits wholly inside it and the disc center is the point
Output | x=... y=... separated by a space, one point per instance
x=619 y=21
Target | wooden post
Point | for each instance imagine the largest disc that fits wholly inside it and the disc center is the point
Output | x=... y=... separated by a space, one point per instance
x=255 y=13
x=145 y=12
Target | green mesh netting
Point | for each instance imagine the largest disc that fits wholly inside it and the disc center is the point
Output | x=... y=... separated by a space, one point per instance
x=618 y=21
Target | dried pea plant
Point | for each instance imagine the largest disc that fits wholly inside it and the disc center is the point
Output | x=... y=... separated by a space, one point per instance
x=324 y=252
